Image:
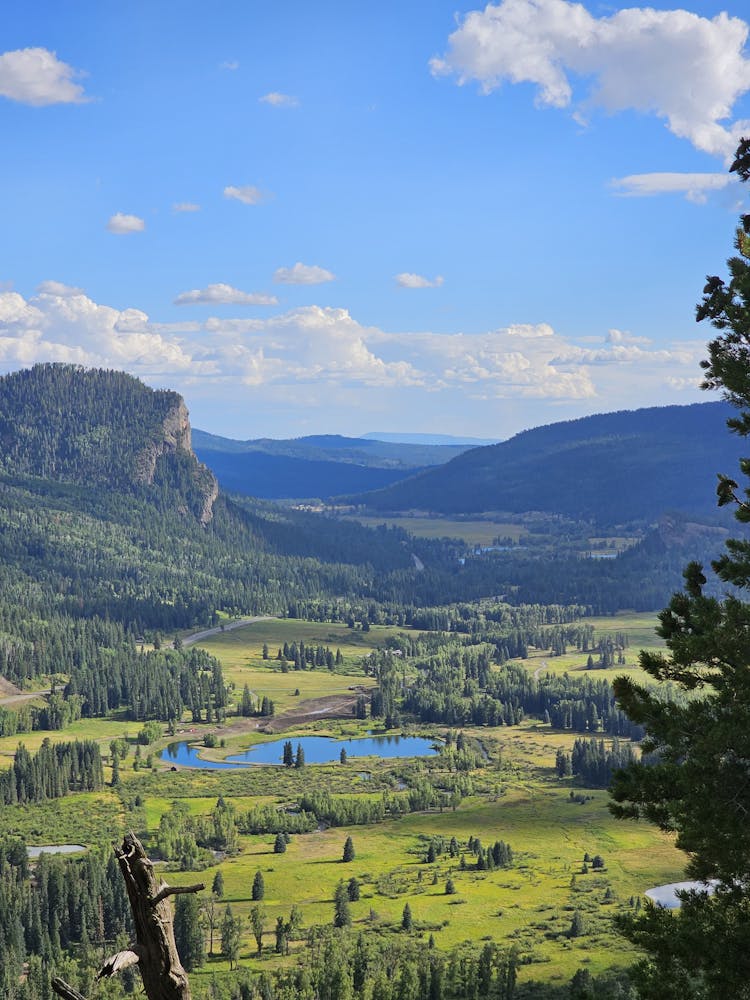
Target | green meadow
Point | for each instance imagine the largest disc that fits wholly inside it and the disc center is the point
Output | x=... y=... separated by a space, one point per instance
x=241 y=654
x=516 y=797
x=640 y=631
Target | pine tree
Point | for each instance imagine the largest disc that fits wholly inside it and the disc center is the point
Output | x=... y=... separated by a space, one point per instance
x=279 y=844
x=231 y=935
x=299 y=760
x=217 y=887
x=341 y=914
x=349 y=852
x=577 y=925
x=287 y=758
x=407 y=921
x=188 y=932
x=257 y=920
x=697 y=785
x=259 y=887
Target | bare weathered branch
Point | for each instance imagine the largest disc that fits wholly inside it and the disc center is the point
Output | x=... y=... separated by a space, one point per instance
x=175 y=890
x=116 y=963
x=154 y=950
x=66 y=992
x=159 y=963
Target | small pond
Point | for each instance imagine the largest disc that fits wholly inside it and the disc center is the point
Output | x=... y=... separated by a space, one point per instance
x=34 y=852
x=666 y=895
x=317 y=750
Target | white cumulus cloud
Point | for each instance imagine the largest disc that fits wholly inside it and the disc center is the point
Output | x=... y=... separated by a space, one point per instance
x=294 y=357
x=36 y=76
x=122 y=224
x=63 y=324
x=277 y=100
x=221 y=294
x=686 y=69
x=303 y=274
x=185 y=206
x=408 y=280
x=248 y=195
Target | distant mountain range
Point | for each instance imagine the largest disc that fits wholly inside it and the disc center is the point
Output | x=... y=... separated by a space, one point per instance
x=439 y=439
x=316 y=466
x=611 y=468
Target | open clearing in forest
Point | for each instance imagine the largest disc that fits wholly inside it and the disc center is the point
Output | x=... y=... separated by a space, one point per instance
x=241 y=655
x=638 y=628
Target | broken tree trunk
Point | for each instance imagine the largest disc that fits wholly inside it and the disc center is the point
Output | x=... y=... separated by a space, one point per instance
x=154 y=949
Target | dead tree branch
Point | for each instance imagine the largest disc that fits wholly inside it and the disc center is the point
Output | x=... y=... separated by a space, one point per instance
x=154 y=951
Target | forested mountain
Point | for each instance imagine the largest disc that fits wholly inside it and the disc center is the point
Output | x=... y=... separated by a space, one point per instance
x=107 y=543
x=321 y=465
x=610 y=468
x=95 y=428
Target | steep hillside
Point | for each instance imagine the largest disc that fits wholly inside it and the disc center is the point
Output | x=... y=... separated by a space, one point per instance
x=610 y=468
x=98 y=428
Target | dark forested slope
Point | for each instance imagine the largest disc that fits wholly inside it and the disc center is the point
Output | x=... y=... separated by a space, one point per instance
x=319 y=465
x=611 y=468
x=100 y=429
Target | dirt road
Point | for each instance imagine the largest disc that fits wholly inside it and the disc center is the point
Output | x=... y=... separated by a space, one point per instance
x=189 y=640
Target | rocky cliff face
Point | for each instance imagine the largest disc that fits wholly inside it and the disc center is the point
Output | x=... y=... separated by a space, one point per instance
x=174 y=439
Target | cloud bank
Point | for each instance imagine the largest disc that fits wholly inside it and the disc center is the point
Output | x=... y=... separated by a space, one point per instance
x=302 y=274
x=695 y=187
x=277 y=100
x=320 y=347
x=408 y=280
x=248 y=194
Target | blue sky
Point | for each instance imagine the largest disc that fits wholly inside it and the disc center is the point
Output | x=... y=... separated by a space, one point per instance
x=341 y=217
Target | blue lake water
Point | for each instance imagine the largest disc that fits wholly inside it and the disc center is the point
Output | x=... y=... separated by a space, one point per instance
x=317 y=750
x=666 y=895
x=34 y=852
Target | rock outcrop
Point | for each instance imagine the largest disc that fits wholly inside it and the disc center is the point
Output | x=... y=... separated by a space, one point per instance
x=175 y=438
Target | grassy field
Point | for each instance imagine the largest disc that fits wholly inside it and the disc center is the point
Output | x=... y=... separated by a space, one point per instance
x=101 y=730
x=241 y=655
x=639 y=630
x=530 y=905
x=516 y=797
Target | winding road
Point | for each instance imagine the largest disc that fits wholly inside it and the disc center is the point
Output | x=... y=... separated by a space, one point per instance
x=194 y=637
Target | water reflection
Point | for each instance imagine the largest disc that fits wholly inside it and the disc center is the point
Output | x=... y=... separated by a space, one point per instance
x=317 y=750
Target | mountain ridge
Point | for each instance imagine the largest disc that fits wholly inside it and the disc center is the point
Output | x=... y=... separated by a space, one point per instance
x=629 y=465
x=97 y=427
